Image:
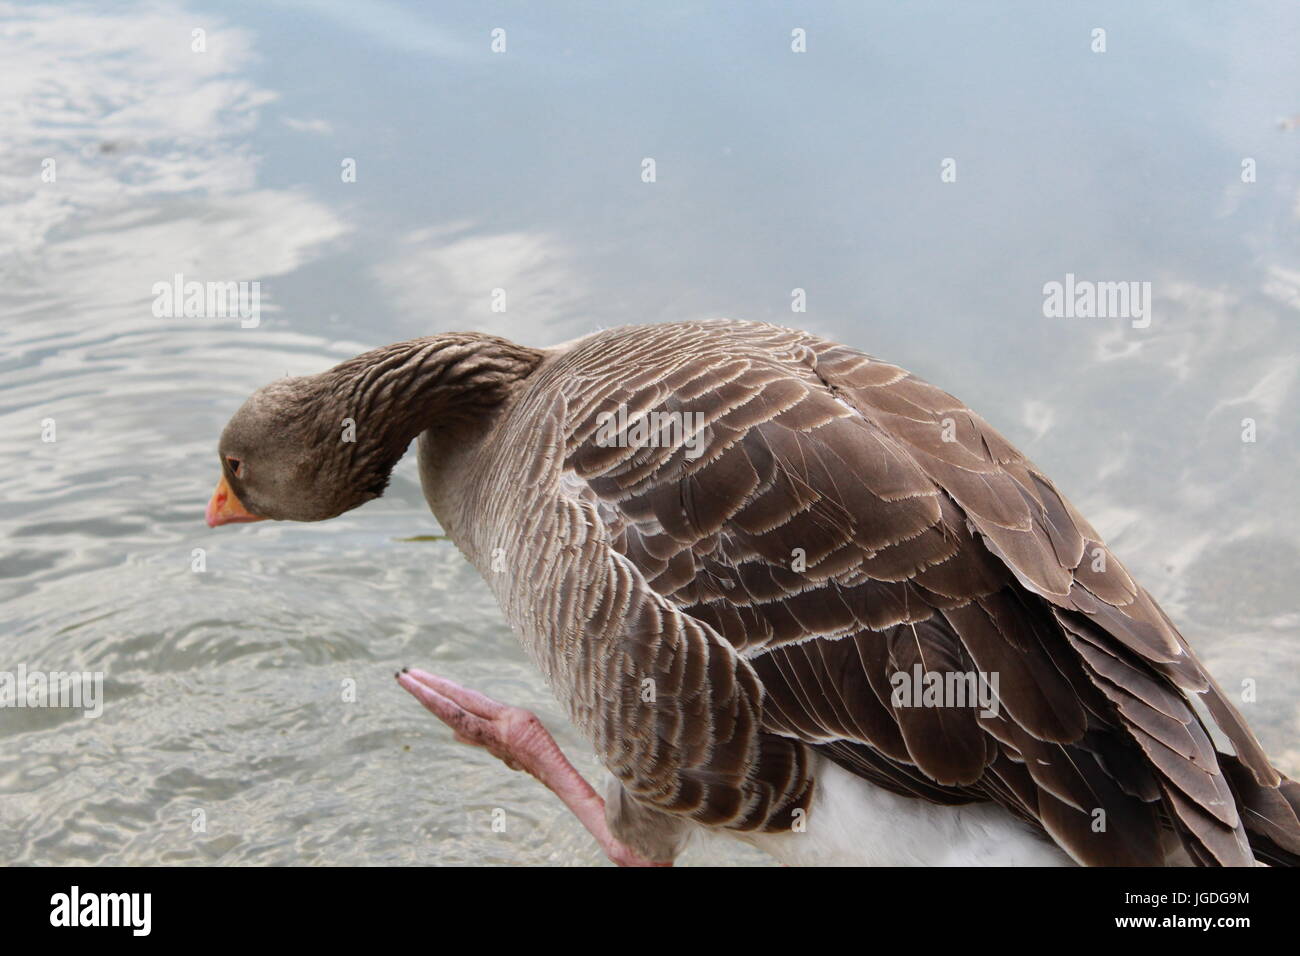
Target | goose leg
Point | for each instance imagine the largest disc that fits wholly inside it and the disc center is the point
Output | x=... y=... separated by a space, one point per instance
x=516 y=737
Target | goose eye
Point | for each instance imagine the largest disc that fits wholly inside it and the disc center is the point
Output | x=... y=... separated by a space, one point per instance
x=235 y=465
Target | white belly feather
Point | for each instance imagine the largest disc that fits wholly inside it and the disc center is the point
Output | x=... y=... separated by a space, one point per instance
x=854 y=823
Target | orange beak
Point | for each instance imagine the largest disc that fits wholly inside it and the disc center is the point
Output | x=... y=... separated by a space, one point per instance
x=225 y=508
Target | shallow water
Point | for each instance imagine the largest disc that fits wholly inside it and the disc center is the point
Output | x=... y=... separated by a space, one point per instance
x=250 y=715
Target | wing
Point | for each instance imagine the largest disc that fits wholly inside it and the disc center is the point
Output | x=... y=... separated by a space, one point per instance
x=838 y=523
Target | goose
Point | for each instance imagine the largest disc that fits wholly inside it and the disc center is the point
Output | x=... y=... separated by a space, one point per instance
x=788 y=592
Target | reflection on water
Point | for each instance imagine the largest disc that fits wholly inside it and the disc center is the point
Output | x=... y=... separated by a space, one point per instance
x=250 y=713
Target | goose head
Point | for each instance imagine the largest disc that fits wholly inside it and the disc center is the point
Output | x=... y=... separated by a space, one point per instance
x=286 y=455
x=311 y=447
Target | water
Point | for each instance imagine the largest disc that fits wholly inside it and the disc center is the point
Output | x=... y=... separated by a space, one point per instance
x=250 y=714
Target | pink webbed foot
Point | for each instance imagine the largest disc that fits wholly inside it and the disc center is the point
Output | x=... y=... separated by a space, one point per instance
x=516 y=737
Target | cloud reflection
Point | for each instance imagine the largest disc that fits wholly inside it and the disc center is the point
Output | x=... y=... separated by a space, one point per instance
x=147 y=142
x=455 y=273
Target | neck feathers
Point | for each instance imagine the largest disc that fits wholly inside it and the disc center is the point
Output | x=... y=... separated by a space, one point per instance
x=392 y=394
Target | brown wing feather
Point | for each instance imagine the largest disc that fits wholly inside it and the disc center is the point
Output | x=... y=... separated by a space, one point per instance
x=847 y=522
